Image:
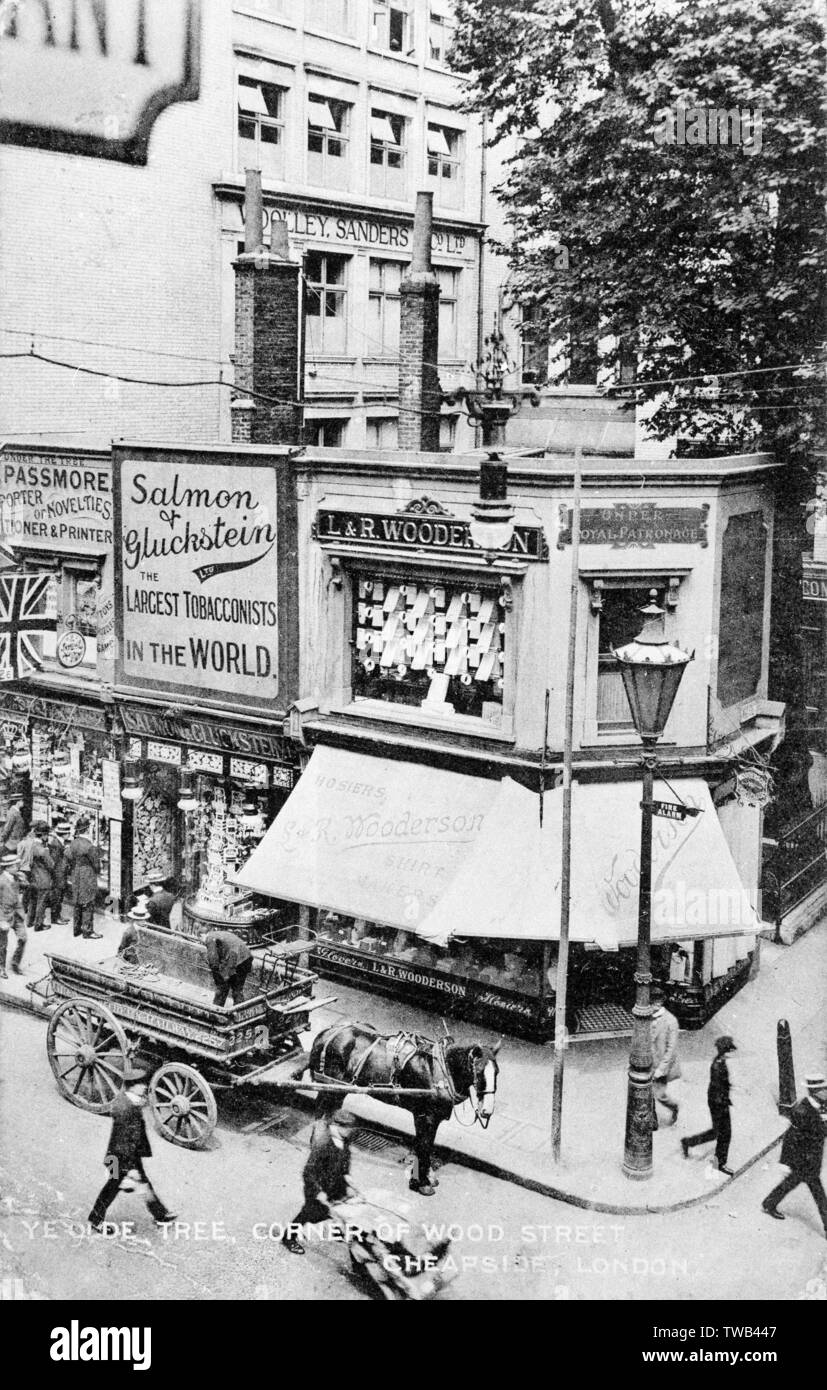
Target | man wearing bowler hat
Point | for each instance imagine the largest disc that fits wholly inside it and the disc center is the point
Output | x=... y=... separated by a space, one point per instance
x=325 y=1172
x=128 y=1147
x=803 y=1149
x=717 y=1098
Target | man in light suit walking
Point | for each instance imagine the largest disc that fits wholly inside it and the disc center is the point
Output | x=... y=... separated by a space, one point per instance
x=667 y=1068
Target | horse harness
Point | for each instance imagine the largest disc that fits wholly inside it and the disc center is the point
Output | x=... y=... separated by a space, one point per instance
x=402 y=1048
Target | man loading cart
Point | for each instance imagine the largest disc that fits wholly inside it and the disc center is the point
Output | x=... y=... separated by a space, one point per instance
x=230 y=960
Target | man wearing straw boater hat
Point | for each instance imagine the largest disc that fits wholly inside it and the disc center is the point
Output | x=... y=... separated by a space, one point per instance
x=803 y=1149
x=128 y=1147
x=11 y=913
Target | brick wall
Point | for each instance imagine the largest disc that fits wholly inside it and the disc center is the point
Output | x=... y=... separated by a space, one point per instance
x=266 y=348
x=419 y=391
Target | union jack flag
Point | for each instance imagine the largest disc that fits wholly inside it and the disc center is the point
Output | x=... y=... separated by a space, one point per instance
x=22 y=597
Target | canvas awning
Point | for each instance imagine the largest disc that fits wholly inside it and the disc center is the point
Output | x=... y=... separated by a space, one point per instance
x=370 y=837
x=509 y=887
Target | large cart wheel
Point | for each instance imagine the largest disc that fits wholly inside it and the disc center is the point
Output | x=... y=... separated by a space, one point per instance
x=87 y=1051
x=183 y=1105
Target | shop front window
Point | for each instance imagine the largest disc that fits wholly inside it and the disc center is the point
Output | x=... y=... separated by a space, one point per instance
x=72 y=599
x=437 y=646
x=221 y=834
x=326 y=302
x=261 y=126
x=387 y=154
x=620 y=622
x=503 y=964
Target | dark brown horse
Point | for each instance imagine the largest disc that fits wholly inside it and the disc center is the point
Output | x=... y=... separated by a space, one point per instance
x=356 y=1054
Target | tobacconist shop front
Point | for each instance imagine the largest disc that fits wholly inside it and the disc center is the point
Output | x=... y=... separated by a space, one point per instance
x=203 y=792
x=441 y=888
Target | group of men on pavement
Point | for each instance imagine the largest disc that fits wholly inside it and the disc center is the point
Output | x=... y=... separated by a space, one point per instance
x=802 y=1150
x=35 y=867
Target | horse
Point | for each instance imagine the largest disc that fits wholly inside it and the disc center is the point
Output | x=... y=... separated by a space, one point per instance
x=356 y=1053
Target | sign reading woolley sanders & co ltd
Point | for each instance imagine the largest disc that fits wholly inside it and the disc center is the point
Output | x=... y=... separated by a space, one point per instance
x=196 y=576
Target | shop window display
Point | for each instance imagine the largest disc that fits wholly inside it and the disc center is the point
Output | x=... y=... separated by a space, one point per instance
x=505 y=964
x=153 y=835
x=67 y=782
x=220 y=834
x=437 y=646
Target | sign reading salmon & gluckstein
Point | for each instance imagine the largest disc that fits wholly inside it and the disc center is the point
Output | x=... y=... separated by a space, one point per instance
x=196 y=575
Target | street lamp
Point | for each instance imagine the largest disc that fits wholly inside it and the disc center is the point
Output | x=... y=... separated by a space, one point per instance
x=652 y=668
x=492 y=516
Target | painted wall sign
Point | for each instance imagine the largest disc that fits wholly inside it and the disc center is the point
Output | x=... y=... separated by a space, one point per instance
x=55 y=501
x=224 y=738
x=414 y=530
x=196 y=578
x=640 y=525
x=363 y=231
x=91 y=77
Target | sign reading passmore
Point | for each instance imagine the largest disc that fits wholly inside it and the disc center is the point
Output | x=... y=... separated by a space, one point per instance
x=196 y=577
x=91 y=77
x=430 y=528
x=55 y=501
x=636 y=524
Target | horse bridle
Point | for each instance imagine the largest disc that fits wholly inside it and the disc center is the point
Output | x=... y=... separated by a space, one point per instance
x=474 y=1097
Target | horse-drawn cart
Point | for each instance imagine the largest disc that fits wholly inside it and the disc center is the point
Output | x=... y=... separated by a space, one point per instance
x=163 y=1007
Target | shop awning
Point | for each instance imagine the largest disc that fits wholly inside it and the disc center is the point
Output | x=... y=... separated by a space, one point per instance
x=370 y=837
x=510 y=885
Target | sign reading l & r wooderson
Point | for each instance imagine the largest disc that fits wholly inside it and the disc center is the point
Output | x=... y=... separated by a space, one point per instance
x=91 y=77
x=196 y=577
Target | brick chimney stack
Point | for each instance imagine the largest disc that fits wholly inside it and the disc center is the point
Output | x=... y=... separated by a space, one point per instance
x=419 y=393
x=268 y=356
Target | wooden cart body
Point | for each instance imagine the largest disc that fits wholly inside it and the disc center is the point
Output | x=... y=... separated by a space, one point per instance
x=163 y=1008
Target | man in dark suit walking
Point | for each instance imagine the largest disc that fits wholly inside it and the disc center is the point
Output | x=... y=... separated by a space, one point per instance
x=230 y=960
x=128 y=1147
x=717 y=1097
x=40 y=878
x=83 y=864
x=325 y=1172
x=803 y=1149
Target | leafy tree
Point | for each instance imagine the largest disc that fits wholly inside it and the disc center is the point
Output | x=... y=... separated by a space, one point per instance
x=702 y=260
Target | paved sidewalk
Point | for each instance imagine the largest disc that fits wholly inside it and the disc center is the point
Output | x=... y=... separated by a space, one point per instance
x=791 y=984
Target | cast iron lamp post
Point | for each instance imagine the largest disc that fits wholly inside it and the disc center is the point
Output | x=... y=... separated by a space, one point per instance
x=651 y=667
